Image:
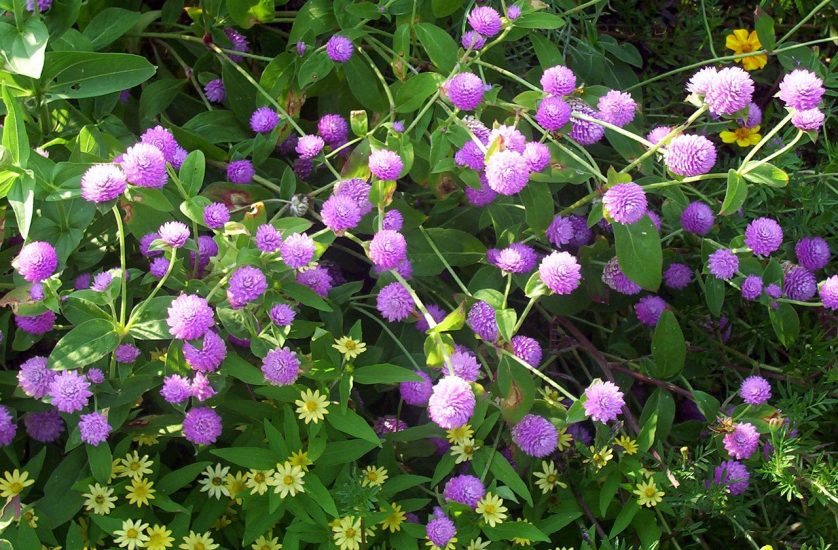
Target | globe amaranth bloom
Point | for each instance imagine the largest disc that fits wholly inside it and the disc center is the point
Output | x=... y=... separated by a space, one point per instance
x=437 y=314
x=535 y=436
x=303 y=168
x=515 y=258
x=617 y=108
x=464 y=365
x=385 y=164
x=189 y=317
x=36 y=261
x=558 y=81
x=812 y=252
x=388 y=424
x=484 y=20
x=584 y=132
x=94 y=428
x=560 y=232
x=465 y=489
x=45 y=426
x=209 y=357
x=731 y=90
x=419 y=392
x=340 y=212
x=507 y=172
x=309 y=146
x=158 y=267
x=8 y=427
x=440 y=530
x=246 y=285
x=163 y=139
x=317 y=278
x=263 y=120
x=537 y=156
x=126 y=353
x=281 y=367
x=483 y=196
x=697 y=218
x=723 y=264
x=658 y=133
x=200 y=388
x=282 y=315
x=470 y=155
x=465 y=91
x=732 y=474
x=82 y=281
x=297 y=250
x=553 y=112
x=43 y=5
x=387 y=249
x=394 y=302
x=560 y=272
x=69 y=391
x=699 y=83
x=649 y=310
x=144 y=165
x=472 y=40
x=755 y=390
x=145 y=245
x=174 y=234
x=207 y=249
x=36 y=324
x=799 y=283
x=690 y=155
x=753 y=117
x=742 y=441
x=359 y=191
x=828 y=291
x=36 y=293
x=101 y=281
x=176 y=389
x=267 y=238
x=763 y=236
x=202 y=426
x=238 y=42
x=451 y=403
x=615 y=279
x=102 y=183
x=482 y=320
x=677 y=276
x=527 y=349
x=751 y=288
x=510 y=138
x=34 y=377
x=214 y=90
x=393 y=220
x=240 y=171
x=801 y=89
x=809 y=120
x=603 y=402
x=625 y=203
x=179 y=157
x=339 y=48
x=333 y=129
x=95 y=375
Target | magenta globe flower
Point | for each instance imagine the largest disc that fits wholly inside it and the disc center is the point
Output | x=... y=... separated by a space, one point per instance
x=238 y=42
x=34 y=378
x=176 y=389
x=801 y=90
x=163 y=139
x=677 y=276
x=387 y=249
x=828 y=291
x=507 y=172
x=649 y=310
x=482 y=320
x=527 y=349
x=394 y=302
x=451 y=403
x=263 y=120
x=174 y=234
x=697 y=218
x=317 y=278
x=755 y=390
x=309 y=146
x=44 y=427
x=812 y=252
x=617 y=108
x=560 y=272
x=809 y=120
x=537 y=156
x=625 y=203
x=333 y=129
x=485 y=20
x=751 y=288
x=297 y=250
x=584 y=132
x=145 y=166
x=189 y=317
x=69 y=391
x=558 y=81
x=240 y=171
x=94 y=428
x=723 y=264
x=36 y=324
x=465 y=489
x=158 y=267
x=281 y=367
x=690 y=155
x=385 y=164
x=247 y=284
x=535 y=436
x=214 y=90
x=340 y=213
x=510 y=138
x=470 y=156
x=763 y=236
x=282 y=315
x=359 y=191
x=732 y=474
x=440 y=530
x=483 y=196
x=339 y=48
x=465 y=91
x=742 y=441
x=8 y=427
x=209 y=357
x=268 y=239
x=102 y=183
x=658 y=133
x=393 y=220
x=202 y=426
x=731 y=90
x=472 y=40
x=36 y=261
x=700 y=82
x=417 y=393
x=799 y=283
x=603 y=402
x=615 y=279
x=553 y=112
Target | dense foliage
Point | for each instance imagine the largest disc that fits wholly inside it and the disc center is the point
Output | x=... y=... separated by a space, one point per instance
x=403 y=274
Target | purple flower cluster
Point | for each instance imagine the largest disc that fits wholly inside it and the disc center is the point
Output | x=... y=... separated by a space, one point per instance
x=755 y=390
x=36 y=261
x=625 y=203
x=649 y=310
x=690 y=155
x=394 y=302
x=297 y=250
x=677 y=276
x=387 y=249
x=603 y=401
x=202 y=426
x=94 y=428
x=553 y=112
x=417 y=393
x=732 y=474
x=209 y=357
x=560 y=272
x=189 y=317
x=763 y=236
x=465 y=91
x=385 y=164
x=465 y=489
x=451 y=403
x=616 y=280
x=697 y=218
x=281 y=367
x=246 y=285
x=742 y=441
x=103 y=183
x=339 y=48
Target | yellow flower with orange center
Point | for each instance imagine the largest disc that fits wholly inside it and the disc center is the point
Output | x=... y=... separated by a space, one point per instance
x=741 y=42
x=743 y=137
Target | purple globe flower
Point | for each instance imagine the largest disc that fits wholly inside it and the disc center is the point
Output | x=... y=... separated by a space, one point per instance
x=527 y=349
x=45 y=427
x=731 y=90
x=158 y=267
x=516 y=258
x=723 y=264
x=465 y=91
x=690 y=155
x=801 y=90
x=773 y=291
x=240 y=171
x=513 y=12
x=560 y=232
x=297 y=250
x=393 y=220
x=309 y=146
x=649 y=310
x=584 y=132
x=303 y=168
x=94 y=428
x=246 y=285
x=535 y=436
x=553 y=112
x=480 y=197
x=43 y=5
x=558 y=81
x=282 y=315
x=209 y=357
x=281 y=367
x=486 y=21
x=95 y=375
x=387 y=249
x=604 y=400
x=753 y=118
x=36 y=261
x=732 y=474
x=339 y=48
x=465 y=489
x=127 y=353
x=179 y=157
x=174 y=234
x=200 y=388
x=207 y=249
x=82 y=281
x=340 y=212
x=625 y=203
x=263 y=120
x=202 y=426
x=176 y=389
x=8 y=427
x=700 y=82
x=268 y=239
x=677 y=276
x=388 y=425
x=809 y=120
x=190 y=317
x=482 y=320
x=755 y=390
x=238 y=42
x=614 y=277
x=812 y=252
x=101 y=281
x=560 y=272
x=464 y=365
x=471 y=156
x=359 y=191
x=451 y=403
x=34 y=377
x=582 y=234
x=440 y=530
x=69 y=391
x=617 y=108
x=537 y=156
x=507 y=172
x=215 y=91
x=763 y=236
x=658 y=133
x=36 y=293
x=511 y=139
x=800 y=284
x=385 y=164
x=317 y=279
x=697 y=218
x=36 y=324
x=472 y=40
x=300 y=48
x=333 y=129
x=162 y=139
x=102 y=183
x=417 y=393
x=145 y=245
x=742 y=441
x=751 y=287
x=828 y=291
x=145 y=165
x=394 y=302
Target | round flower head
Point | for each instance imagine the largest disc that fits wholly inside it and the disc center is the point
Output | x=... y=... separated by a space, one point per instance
x=465 y=365
x=690 y=155
x=36 y=261
x=723 y=264
x=535 y=436
x=303 y=168
x=617 y=108
x=742 y=441
x=281 y=367
x=558 y=81
x=828 y=291
x=697 y=218
x=34 y=377
x=95 y=375
x=582 y=234
x=773 y=291
x=480 y=197
x=585 y=132
x=209 y=357
x=553 y=112
x=417 y=393
x=560 y=232
x=45 y=427
x=658 y=133
x=268 y=239
x=288 y=144
x=36 y=324
x=339 y=49
x=94 y=428
x=516 y=258
x=486 y=21
x=43 y=5
x=82 y=281
x=359 y=191
x=451 y=403
x=393 y=220
x=317 y=279
x=202 y=426
x=482 y=320
x=238 y=42
x=240 y=171
x=801 y=90
x=174 y=234
x=200 y=388
x=537 y=156
x=297 y=250
x=560 y=272
x=162 y=139
x=387 y=249
x=207 y=248
x=102 y=183
x=809 y=120
x=511 y=138
x=263 y=120
x=190 y=317
x=246 y=285
x=625 y=203
x=472 y=40
x=465 y=489
x=158 y=267
x=309 y=146
x=513 y=12
x=465 y=91
x=440 y=530
x=604 y=400
x=751 y=287
x=340 y=212
x=753 y=118
x=731 y=90
x=507 y=172
x=763 y=236
x=145 y=245
x=755 y=390
x=649 y=309
x=333 y=129
x=527 y=349
x=471 y=156
x=614 y=277
x=394 y=302
x=385 y=164
x=179 y=157
x=176 y=389
x=8 y=427
x=101 y=281
x=677 y=276
x=732 y=474
x=214 y=90
x=800 y=284
x=812 y=253
x=127 y=353
x=144 y=165
x=699 y=83
x=36 y=294
x=69 y=391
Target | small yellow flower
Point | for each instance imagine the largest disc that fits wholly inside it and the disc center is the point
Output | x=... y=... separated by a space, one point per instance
x=30 y=517
x=312 y=406
x=478 y=544
x=565 y=439
x=13 y=483
x=131 y=535
x=349 y=347
x=628 y=445
x=288 y=480
x=300 y=458
x=221 y=522
x=213 y=481
x=146 y=440
x=194 y=541
x=99 y=500
x=374 y=476
x=600 y=458
x=159 y=538
x=135 y=467
x=743 y=42
x=456 y=436
x=492 y=509
x=140 y=492
x=452 y=545
x=347 y=533
x=266 y=544
x=394 y=521
x=116 y=469
x=520 y=541
x=464 y=451
x=743 y=137
x=648 y=495
x=257 y=481
x=236 y=485
x=548 y=477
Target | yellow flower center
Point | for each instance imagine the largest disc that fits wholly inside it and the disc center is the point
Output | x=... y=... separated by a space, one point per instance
x=350 y=533
x=350 y=345
x=468 y=449
x=199 y=546
x=551 y=478
x=99 y=499
x=742 y=133
x=259 y=477
x=288 y=480
x=16 y=487
x=650 y=491
x=489 y=509
x=131 y=533
x=217 y=481
x=135 y=466
x=311 y=406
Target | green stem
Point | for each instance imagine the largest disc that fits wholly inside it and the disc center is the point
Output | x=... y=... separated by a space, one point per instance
x=506 y=292
x=383 y=82
x=387 y=330
x=536 y=372
x=777 y=153
x=690 y=179
x=617 y=129
x=122 y=263
x=803 y=21
x=509 y=74
x=580 y=7
x=444 y=262
x=675 y=131
x=524 y=314
x=141 y=307
x=765 y=140
x=594 y=170
x=707 y=28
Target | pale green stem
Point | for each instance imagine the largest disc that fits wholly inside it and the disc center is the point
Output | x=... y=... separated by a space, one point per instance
x=141 y=307
x=386 y=329
x=675 y=131
x=613 y=128
x=383 y=82
x=524 y=314
x=537 y=372
x=803 y=21
x=445 y=262
x=765 y=140
x=777 y=153
x=122 y=263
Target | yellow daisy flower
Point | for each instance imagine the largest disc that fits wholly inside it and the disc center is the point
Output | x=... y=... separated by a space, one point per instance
x=257 y=481
x=311 y=406
x=13 y=483
x=492 y=509
x=221 y=522
x=116 y=469
x=131 y=535
x=30 y=517
x=236 y=485
x=743 y=137
x=464 y=451
x=347 y=533
x=146 y=440
x=99 y=500
x=194 y=541
x=456 y=436
x=600 y=458
x=394 y=521
x=648 y=495
x=287 y=480
x=266 y=544
x=741 y=41
x=478 y=544
x=300 y=458
x=349 y=347
x=213 y=482
x=140 y=492
x=521 y=541
x=565 y=440
x=159 y=538
x=135 y=467
x=548 y=477
x=374 y=476
x=628 y=445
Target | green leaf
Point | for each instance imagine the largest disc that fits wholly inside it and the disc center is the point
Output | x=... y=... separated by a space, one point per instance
x=608 y=490
x=108 y=25
x=444 y=8
x=158 y=95
x=515 y=529
x=538 y=204
x=735 y=194
x=306 y=296
x=359 y=123
x=343 y=452
x=150 y=324
x=99 y=458
x=181 y=477
x=452 y=322
x=384 y=373
x=88 y=342
x=440 y=46
x=63 y=223
x=21 y=197
x=350 y=422
x=656 y=419
x=668 y=347
x=192 y=172
x=23 y=50
x=764 y=174
x=765 y=31
x=249 y=12
x=315 y=488
x=457 y=248
x=412 y=94
x=785 y=322
x=506 y=319
x=364 y=85
x=248 y=457
x=517 y=389
x=504 y=471
x=315 y=68
x=540 y=20
x=547 y=52
x=714 y=294
x=707 y=404
x=639 y=252
x=623 y=519
x=217 y=126
x=15 y=141
x=75 y=75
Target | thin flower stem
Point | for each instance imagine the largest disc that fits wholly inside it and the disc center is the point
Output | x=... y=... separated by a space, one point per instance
x=510 y=75
x=383 y=82
x=141 y=307
x=803 y=21
x=777 y=153
x=389 y=333
x=506 y=291
x=675 y=131
x=763 y=141
x=122 y=263
x=712 y=176
x=580 y=7
x=594 y=170
x=707 y=28
x=613 y=128
x=524 y=314
x=536 y=372
x=445 y=262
